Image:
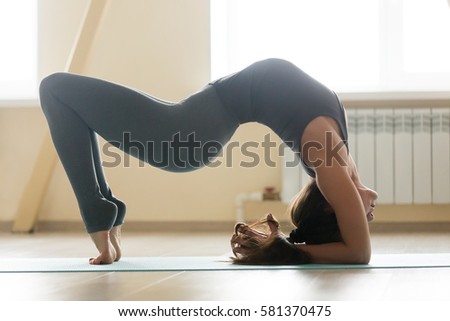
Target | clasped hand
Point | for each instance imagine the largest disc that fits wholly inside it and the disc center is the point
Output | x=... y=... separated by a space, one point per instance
x=264 y=243
x=247 y=238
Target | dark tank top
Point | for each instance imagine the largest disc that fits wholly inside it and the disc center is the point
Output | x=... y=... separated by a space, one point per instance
x=278 y=94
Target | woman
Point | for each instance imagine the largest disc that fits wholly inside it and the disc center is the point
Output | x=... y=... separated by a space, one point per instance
x=304 y=113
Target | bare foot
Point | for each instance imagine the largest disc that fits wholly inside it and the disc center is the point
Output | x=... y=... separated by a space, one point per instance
x=104 y=245
x=115 y=235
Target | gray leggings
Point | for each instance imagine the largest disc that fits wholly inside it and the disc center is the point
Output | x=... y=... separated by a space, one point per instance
x=177 y=137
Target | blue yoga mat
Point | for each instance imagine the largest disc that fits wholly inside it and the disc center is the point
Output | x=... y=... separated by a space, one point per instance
x=208 y=263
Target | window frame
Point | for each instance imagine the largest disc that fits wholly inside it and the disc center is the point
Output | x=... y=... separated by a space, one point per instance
x=391 y=60
x=29 y=96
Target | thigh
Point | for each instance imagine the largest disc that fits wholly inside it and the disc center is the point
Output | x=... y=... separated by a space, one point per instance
x=151 y=129
x=108 y=108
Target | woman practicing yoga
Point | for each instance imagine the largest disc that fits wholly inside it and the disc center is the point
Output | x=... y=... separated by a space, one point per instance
x=331 y=213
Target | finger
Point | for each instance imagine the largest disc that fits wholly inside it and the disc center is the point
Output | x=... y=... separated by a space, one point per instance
x=252 y=233
x=238 y=227
x=238 y=241
x=234 y=244
x=247 y=230
x=234 y=249
x=245 y=241
x=240 y=251
x=273 y=224
x=233 y=240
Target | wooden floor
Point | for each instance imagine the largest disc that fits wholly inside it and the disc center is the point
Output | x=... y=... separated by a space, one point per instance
x=385 y=284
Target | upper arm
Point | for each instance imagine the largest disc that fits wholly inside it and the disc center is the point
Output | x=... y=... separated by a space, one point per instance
x=341 y=193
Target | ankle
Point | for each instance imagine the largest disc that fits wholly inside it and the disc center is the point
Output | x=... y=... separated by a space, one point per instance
x=99 y=215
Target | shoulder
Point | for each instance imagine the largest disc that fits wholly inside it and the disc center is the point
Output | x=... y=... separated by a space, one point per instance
x=322 y=145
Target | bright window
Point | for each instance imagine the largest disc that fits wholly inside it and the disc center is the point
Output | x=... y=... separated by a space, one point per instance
x=18 y=49
x=349 y=45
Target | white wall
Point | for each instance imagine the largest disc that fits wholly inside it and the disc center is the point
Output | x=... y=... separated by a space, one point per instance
x=161 y=47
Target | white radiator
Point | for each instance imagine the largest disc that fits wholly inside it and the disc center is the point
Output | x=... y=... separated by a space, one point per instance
x=402 y=153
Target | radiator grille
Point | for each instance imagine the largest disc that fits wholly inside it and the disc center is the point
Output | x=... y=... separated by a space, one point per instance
x=402 y=153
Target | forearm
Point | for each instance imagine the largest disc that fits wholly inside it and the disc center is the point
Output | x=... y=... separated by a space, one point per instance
x=335 y=253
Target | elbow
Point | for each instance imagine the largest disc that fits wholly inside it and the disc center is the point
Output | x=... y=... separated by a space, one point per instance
x=362 y=259
x=361 y=256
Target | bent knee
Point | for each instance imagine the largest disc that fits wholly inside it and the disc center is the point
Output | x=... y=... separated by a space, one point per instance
x=52 y=82
x=51 y=87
